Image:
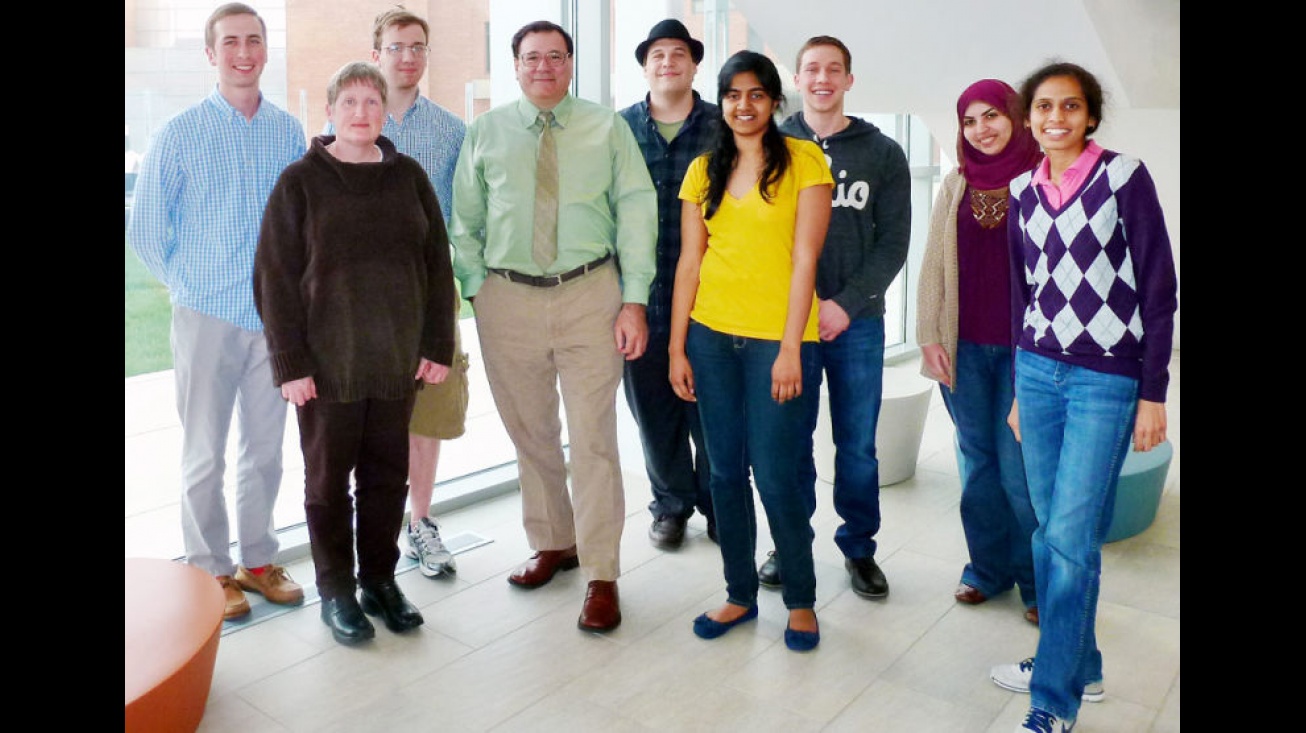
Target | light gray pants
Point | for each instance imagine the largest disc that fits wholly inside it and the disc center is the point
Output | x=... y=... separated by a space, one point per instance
x=219 y=368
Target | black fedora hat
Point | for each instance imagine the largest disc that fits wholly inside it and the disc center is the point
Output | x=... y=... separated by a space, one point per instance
x=670 y=28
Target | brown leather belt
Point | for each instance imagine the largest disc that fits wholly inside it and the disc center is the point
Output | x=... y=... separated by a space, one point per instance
x=548 y=281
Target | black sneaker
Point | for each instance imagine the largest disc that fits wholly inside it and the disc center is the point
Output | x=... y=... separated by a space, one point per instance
x=868 y=580
x=769 y=574
x=667 y=532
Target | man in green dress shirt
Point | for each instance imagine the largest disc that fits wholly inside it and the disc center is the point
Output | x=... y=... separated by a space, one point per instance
x=570 y=322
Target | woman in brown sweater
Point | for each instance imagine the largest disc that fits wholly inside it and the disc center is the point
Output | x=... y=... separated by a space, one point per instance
x=353 y=281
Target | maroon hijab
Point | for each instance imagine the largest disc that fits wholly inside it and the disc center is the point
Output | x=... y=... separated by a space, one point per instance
x=1022 y=153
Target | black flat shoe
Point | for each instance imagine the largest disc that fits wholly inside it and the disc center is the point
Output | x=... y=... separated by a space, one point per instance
x=386 y=600
x=346 y=620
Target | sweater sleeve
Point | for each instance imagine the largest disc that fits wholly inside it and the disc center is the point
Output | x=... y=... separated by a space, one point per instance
x=1154 y=277
x=931 y=288
x=890 y=235
x=1016 y=249
x=279 y=263
x=437 y=343
x=936 y=321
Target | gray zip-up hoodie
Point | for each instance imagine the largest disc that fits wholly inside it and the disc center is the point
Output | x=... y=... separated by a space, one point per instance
x=870 y=226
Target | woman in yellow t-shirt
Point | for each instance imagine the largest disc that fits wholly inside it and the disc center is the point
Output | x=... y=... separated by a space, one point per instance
x=744 y=333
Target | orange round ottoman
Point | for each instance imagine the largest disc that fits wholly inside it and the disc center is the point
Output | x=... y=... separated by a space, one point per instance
x=174 y=620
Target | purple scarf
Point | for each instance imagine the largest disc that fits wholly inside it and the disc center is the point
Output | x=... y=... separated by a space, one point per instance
x=987 y=172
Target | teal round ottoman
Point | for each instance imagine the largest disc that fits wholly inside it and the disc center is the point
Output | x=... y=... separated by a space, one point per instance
x=1138 y=495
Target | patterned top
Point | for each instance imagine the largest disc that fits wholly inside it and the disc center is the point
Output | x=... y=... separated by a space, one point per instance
x=1095 y=281
x=199 y=202
x=667 y=163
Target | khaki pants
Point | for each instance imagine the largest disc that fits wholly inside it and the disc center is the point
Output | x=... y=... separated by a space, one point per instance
x=533 y=340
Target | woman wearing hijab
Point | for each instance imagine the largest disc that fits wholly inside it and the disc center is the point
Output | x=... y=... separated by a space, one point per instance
x=964 y=329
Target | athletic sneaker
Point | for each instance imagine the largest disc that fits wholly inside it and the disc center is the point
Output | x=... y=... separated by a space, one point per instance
x=1041 y=721
x=425 y=545
x=1015 y=677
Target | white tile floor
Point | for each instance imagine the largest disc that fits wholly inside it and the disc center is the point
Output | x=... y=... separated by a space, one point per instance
x=494 y=657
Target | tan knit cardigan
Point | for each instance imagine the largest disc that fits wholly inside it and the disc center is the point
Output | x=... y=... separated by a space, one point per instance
x=936 y=293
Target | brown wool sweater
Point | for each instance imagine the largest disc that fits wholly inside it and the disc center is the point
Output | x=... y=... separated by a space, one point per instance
x=352 y=275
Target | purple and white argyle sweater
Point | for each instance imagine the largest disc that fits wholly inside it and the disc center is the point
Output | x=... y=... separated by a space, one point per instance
x=1094 y=283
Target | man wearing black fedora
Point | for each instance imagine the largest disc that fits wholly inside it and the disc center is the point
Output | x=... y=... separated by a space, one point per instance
x=673 y=125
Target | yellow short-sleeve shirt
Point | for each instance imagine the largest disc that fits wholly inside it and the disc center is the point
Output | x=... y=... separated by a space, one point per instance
x=743 y=282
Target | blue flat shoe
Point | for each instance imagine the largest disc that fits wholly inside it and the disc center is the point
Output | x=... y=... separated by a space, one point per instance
x=706 y=628
x=802 y=641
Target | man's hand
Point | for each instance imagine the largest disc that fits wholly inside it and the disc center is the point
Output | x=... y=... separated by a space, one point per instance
x=832 y=320
x=631 y=331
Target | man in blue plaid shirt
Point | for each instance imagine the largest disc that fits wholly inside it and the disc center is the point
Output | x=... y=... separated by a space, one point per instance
x=195 y=222
x=673 y=125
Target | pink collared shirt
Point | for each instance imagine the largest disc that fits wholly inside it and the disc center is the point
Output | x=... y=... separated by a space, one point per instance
x=1071 y=179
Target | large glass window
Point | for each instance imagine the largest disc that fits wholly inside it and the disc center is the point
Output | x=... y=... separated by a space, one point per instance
x=469 y=70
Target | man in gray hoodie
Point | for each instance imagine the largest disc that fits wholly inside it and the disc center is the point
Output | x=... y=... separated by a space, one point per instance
x=865 y=247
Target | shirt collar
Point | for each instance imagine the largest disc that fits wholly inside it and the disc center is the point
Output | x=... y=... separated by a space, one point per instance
x=530 y=113
x=1084 y=163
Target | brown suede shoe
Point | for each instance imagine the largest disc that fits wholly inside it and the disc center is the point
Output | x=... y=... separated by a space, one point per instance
x=542 y=566
x=273 y=584
x=601 y=611
x=237 y=604
x=969 y=594
x=1031 y=615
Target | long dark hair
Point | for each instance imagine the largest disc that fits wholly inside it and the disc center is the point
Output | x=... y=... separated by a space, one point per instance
x=721 y=159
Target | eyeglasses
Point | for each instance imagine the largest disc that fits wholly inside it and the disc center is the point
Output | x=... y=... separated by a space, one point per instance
x=419 y=50
x=532 y=60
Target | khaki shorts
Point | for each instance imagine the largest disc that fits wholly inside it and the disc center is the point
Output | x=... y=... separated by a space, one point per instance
x=441 y=409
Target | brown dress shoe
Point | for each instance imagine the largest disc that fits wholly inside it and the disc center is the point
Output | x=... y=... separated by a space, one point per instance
x=236 y=603
x=601 y=611
x=1031 y=615
x=542 y=566
x=969 y=594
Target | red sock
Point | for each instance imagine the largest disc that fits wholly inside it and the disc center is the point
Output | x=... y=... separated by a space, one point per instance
x=259 y=571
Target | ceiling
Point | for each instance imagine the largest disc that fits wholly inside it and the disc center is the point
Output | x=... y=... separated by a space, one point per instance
x=917 y=56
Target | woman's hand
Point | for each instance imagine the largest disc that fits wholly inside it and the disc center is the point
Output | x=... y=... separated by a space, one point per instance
x=1149 y=425
x=682 y=377
x=431 y=372
x=1013 y=419
x=786 y=376
x=299 y=391
x=937 y=364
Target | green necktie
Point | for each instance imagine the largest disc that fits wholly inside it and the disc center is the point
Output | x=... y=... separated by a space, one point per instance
x=544 y=245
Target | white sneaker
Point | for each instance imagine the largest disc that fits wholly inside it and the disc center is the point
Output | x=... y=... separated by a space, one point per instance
x=425 y=545
x=1042 y=721
x=1015 y=677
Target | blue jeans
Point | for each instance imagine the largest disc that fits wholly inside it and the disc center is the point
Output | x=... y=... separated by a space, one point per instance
x=854 y=364
x=996 y=514
x=677 y=475
x=732 y=379
x=1076 y=426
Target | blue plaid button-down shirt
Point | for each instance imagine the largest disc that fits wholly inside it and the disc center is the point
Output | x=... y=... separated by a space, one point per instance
x=199 y=202
x=667 y=163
